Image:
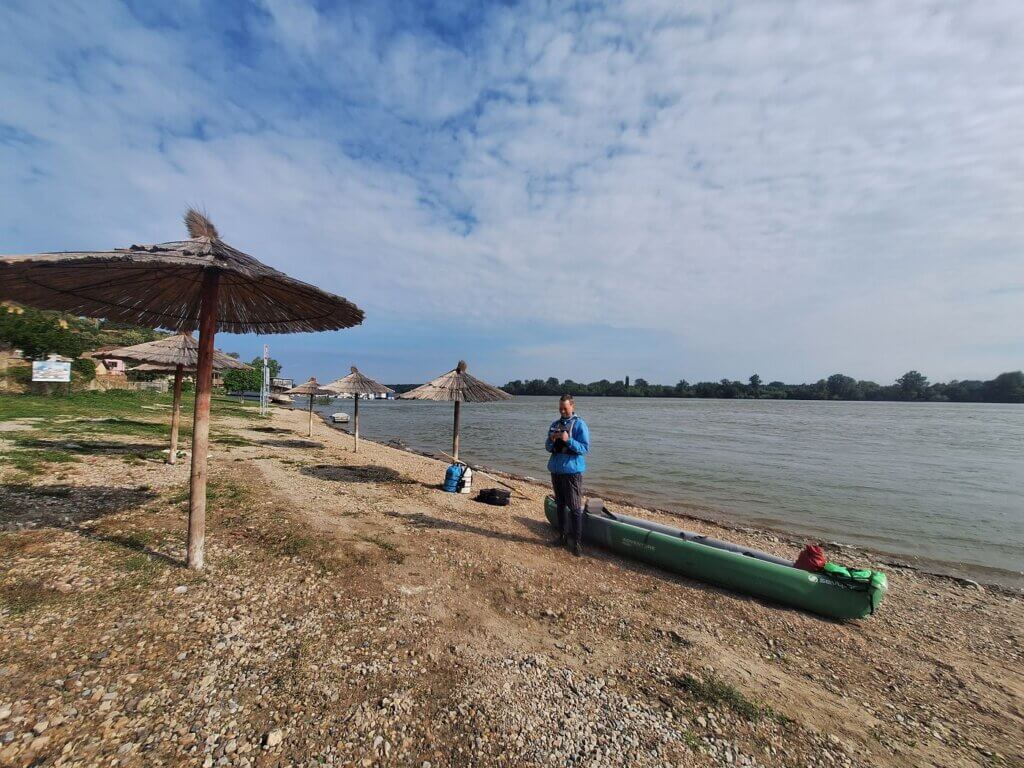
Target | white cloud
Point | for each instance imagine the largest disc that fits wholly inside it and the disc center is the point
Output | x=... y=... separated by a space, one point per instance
x=809 y=186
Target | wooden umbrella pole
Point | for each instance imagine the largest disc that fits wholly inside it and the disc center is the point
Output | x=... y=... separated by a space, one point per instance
x=455 y=431
x=356 y=431
x=201 y=420
x=310 y=415
x=172 y=457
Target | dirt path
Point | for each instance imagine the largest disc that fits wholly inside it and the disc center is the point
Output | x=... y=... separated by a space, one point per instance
x=354 y=614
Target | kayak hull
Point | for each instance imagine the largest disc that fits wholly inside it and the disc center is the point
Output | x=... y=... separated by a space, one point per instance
x=740 y=570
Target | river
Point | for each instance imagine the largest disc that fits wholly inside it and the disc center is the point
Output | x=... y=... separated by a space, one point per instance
x=941 y=484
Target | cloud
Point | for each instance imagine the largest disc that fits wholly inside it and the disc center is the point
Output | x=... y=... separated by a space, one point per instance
x=795 y=188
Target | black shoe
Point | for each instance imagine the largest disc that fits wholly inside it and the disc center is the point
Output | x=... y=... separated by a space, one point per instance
x=577 y=550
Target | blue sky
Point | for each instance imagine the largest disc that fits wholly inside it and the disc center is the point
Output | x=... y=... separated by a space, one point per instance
x=587 y=190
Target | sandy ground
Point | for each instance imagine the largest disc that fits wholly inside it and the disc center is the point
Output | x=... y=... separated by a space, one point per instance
x=412 y=627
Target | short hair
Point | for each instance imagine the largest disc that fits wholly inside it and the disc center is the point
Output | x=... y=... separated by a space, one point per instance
x=566 y=398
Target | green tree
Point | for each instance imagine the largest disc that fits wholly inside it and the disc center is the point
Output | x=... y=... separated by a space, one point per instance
x=842 y=387
x=252 y=379
x=755 y=386
x=38 y=333
x=83 y=370
x=912 y=386
x=1006 y=388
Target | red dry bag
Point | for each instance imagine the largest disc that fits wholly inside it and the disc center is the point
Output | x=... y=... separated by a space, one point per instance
x=812 y=558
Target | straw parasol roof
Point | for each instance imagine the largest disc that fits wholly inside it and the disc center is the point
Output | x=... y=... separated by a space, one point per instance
x=357 y=384
x=154 y=368
x=169 y=353
x=159 y=286
x=311 y=387
x=459 y=386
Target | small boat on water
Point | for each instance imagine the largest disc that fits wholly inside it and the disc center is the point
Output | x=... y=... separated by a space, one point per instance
x=727 y=565
x=339 y=418
x=281 y=399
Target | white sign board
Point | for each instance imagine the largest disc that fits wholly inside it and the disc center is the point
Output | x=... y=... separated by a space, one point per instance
x=50 y=370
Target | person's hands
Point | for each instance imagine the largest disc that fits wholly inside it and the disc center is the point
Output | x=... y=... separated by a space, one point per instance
x=564 y=436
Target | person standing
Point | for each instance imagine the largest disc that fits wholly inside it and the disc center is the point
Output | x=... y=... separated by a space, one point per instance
x=568 y=442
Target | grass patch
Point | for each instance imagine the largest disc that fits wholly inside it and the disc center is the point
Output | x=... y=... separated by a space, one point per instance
x=718 y=692
x=130 y=427
x=23 y=596
x=296 y=545
x=81 y=404
x=229 y=439
x=120 y=410
x=138 y=540
x=36 y=461
x=394 y=554
x=691 y=740
x=137 y=563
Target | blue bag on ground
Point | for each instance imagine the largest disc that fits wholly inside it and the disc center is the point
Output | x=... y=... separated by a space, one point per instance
x=452 y=476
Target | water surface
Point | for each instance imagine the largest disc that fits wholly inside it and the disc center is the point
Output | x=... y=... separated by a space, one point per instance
x=940 y=482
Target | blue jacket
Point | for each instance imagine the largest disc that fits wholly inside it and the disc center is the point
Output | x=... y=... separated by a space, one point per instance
x=574 y=459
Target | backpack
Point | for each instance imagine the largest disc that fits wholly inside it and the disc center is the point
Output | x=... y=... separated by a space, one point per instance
x=453 y=478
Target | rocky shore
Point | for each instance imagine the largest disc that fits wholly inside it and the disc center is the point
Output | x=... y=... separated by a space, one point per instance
x=352 y=614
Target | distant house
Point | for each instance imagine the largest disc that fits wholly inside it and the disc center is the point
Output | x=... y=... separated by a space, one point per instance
x=107 y=366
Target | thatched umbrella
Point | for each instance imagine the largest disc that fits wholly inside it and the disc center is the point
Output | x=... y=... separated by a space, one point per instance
x=356 y=384
x=199 y=283
x=459 y=386
x=174 y=354
x=313 y=389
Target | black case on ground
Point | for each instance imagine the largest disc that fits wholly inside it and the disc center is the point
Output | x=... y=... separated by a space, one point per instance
x=495 y=496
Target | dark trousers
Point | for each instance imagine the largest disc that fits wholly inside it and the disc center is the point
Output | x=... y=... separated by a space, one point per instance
x=569 y=500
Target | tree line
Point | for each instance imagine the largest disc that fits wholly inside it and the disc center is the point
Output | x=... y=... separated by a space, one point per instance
x=911 y=386
x=38 y=333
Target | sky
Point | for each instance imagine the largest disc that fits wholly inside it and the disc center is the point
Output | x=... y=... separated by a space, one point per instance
x=664 y=189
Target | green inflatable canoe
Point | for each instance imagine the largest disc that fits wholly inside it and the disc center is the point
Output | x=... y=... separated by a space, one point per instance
x=725 y=564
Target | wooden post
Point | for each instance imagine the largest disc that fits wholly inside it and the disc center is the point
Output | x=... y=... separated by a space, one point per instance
x=455 y=430
x=310 y=414
x=172 y=457
x=356 y=432
x=201 y=421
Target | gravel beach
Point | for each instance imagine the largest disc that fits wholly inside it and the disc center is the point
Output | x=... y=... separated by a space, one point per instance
x=352 y=614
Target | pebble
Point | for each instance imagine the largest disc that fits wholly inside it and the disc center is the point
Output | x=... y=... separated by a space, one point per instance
x=273 y=738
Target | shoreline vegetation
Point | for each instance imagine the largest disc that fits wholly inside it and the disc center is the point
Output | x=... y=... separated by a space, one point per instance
x=910 y=387
x=354 y=614
x=40 y=332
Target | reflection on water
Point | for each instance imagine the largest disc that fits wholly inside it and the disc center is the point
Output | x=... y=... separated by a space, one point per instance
x=939 y=481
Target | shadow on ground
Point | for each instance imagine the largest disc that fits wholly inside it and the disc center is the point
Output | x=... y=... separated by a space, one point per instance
x=424 y=521
x=363 y=474
x=72 y=508
x=102 y=447
x=290 y=444
x=64 y=506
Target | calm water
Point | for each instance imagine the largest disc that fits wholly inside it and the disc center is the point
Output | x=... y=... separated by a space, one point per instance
x=940 y=482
